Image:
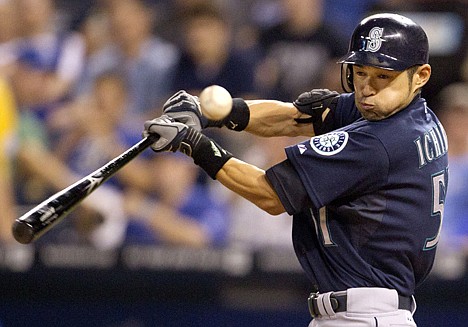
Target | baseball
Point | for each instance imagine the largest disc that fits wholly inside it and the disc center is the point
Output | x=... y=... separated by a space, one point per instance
x=215 y=102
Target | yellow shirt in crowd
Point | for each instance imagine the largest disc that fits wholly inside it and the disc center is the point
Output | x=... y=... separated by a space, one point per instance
x=8 y=120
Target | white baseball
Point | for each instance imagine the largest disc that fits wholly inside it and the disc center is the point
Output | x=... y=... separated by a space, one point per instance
x=215 y=102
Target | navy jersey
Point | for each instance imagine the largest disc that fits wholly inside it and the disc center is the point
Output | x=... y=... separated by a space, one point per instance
x=375 y=195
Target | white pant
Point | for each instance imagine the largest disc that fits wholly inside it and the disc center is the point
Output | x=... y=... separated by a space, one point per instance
x=369 y=307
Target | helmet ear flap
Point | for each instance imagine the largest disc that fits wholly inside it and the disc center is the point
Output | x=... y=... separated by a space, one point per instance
x=347 y=78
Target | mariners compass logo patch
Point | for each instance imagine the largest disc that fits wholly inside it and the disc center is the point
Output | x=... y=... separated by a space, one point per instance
x=329 y=144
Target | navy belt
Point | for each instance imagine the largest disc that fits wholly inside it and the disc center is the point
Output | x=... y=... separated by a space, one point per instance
x=338 y=302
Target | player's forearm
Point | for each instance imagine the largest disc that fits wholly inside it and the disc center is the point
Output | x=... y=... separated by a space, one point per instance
x=275 y=118
x=250 y=182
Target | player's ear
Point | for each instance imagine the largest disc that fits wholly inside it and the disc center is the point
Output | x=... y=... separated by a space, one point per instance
x=422 y=75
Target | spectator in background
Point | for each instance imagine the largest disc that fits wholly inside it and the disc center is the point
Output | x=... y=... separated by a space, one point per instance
x=8 y=126
x=8 y=118
x=94 y=131
x=9 y=35
x=52 y=57
x=146 y=60
x=93 y=126
x=345 y=14
x=180 y=211
x=72 y=12
x=208 y=55
x=40 y=172
x=300 y=52
x=454 y=238
x=95 y=30
x=25 y=83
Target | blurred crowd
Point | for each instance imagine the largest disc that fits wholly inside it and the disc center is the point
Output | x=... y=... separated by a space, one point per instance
x=79 y=78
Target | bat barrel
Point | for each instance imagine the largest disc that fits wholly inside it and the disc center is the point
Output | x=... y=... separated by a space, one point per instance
x=36 y=222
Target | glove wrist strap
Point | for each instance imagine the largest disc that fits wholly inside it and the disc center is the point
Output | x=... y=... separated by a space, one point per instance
x=238 y=118
x=206 y=153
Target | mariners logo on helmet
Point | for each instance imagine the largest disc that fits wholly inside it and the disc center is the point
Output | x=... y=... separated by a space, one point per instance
x=374 y=40
x=329 y=144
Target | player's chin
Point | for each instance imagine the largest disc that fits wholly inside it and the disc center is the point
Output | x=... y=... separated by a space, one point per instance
x=370 y=115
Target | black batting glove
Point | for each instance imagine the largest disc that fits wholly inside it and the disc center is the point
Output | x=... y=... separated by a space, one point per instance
x=314 y=103
x=185 y=108
x=176 y=136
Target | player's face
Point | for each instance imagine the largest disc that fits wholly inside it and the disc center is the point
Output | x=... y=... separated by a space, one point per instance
x=380 y=93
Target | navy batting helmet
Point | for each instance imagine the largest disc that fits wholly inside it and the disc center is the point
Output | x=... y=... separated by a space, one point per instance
x=387 y=41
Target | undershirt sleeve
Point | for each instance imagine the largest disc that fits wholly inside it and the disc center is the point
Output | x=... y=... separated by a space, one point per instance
x=287 y=184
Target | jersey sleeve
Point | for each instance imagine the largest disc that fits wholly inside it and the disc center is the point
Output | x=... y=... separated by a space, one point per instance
x=339 y=164
x=287 y=184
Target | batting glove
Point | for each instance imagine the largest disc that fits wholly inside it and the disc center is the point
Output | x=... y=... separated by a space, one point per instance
x=169 y=131
x=174 y=136
x=185 y=108
x=314 y=103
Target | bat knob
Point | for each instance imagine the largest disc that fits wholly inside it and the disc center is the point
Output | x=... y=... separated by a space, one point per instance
x=22 y=232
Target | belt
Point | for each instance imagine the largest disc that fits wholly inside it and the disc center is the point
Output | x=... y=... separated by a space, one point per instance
x=329 y=303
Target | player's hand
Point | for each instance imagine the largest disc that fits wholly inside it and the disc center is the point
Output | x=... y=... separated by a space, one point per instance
x=170 y=133
x=314 y=103
x=174 y=136
x=185 y=108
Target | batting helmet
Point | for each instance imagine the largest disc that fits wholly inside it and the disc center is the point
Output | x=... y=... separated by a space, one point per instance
x=387 y=41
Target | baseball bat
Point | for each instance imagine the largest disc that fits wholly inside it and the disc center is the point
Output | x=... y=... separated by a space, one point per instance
x=37 y=221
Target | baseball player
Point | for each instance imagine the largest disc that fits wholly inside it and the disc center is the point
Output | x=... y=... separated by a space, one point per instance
x=366 y=190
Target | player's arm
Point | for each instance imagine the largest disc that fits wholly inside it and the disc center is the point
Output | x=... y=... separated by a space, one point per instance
x=306 y=116
x=244 y=179
x=251 y=183
x=275 y=118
